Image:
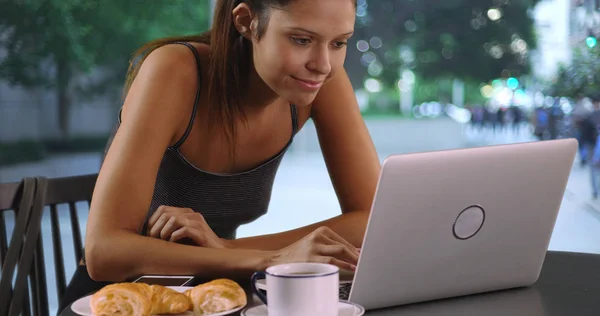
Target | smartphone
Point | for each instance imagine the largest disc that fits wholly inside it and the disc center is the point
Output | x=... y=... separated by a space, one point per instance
x=166 y=280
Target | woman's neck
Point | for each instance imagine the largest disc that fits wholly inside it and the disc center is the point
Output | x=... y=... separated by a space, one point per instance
x=258 y=94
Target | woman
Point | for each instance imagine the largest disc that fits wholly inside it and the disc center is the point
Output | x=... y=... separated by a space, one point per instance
x=205 y=122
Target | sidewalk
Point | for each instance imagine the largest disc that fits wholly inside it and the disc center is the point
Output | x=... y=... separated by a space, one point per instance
x=578 y=224
x=579 y=190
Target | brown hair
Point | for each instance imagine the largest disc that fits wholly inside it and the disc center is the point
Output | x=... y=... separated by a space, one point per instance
x=229 y=63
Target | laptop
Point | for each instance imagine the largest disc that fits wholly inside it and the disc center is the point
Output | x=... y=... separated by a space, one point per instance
x=459 y=222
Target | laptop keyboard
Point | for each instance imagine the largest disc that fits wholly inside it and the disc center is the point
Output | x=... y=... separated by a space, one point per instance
x=345 y=290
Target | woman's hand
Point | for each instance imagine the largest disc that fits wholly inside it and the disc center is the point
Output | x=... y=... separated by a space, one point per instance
x=323 y=245
x=182 y=225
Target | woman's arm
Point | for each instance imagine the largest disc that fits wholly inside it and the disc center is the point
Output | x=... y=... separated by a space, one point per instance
x=350 y=226
x=155 y=114
x=352 y=163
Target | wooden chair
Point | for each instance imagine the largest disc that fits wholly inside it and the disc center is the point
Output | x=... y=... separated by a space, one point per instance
x=54 y=193
x=69 y=190
x=26 y=200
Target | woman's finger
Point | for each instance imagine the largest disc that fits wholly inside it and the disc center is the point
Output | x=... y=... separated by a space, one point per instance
x=333 y=235
x=340 y=241
x=163 y=209
x=336 y=262
x=189 y=233
x=340 y=252
x=157 y=214
x=170 y=226
x=155 y=229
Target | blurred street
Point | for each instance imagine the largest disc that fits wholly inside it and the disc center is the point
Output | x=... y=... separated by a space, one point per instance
x=303 y=193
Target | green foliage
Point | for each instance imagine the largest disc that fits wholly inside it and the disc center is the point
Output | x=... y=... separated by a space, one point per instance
x=580 y=77
x=20 y=152
x=427 y=90
x=30 y=150
x=87 y=34
x=50 y=43
x=441 y=39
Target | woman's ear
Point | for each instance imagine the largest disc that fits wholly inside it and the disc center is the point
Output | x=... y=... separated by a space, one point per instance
x=243 y=20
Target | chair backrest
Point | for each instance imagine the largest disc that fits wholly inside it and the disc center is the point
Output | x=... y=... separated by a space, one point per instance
x=10 y=198
x=27 y=204
x=57 y=194
x=69 y=191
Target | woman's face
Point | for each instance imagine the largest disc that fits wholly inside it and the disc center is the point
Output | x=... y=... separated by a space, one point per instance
x=303 y=46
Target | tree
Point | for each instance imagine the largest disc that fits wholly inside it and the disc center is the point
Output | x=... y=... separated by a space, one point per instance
x=474 y=40
x=581 y=77
x=53 y=43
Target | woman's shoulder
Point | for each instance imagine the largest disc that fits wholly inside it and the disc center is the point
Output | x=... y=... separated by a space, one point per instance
x=203 y=49
x=166 y=83
x=178 y=58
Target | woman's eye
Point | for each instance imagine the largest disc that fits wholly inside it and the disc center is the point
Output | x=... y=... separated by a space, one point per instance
x=340 y=44
x=301 y=41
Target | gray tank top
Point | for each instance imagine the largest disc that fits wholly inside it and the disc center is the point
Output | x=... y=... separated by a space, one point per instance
x=226 y=201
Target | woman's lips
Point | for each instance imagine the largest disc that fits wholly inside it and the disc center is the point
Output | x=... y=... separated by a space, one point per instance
x=310 y=85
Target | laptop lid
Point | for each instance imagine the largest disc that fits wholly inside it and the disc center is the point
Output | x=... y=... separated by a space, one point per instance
x=458 y=222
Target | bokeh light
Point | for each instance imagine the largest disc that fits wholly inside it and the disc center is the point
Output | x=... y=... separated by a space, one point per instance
x=494 y=14
x=487 y=91
x=375 y=69
x=410 y=26
x=375 y=42
x=512 y=83
x=367 y=58
x=373 y=85
x=362 y=46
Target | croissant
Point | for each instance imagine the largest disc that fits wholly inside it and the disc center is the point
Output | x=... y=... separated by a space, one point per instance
x=122 y=299
x=168 y=301
x=216 y=296
x=138 y=299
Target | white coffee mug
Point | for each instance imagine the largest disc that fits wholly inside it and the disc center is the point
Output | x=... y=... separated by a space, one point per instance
x=300 y=289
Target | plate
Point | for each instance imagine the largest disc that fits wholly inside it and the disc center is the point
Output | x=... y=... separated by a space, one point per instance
x=82 y=305
x=345 y=308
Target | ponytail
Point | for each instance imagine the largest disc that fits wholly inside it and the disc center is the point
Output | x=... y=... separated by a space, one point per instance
x=228 y=71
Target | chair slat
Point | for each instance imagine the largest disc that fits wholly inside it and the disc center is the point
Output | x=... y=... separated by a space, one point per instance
x=33 y=227
x=3 y=238
x=26 y=311
x=15 y=248
x=9 y=199
x=33 y=276
x=59 y=267
x=77 y=244
x=8 y=192
x=40 y=303
x=70 y=189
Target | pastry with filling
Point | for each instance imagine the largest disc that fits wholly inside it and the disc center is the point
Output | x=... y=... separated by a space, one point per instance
x=138 y=299
x=216 y=296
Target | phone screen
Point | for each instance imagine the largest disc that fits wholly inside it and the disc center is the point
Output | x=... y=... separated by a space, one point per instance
x=165 y=280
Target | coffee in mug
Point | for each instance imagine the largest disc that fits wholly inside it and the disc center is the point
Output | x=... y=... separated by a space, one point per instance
x=300 y=289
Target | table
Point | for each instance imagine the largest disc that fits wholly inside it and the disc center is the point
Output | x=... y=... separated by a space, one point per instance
x=568 y=285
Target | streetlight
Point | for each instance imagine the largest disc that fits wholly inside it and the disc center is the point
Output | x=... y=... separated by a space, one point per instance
x=512 y=83
x=591 y=41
